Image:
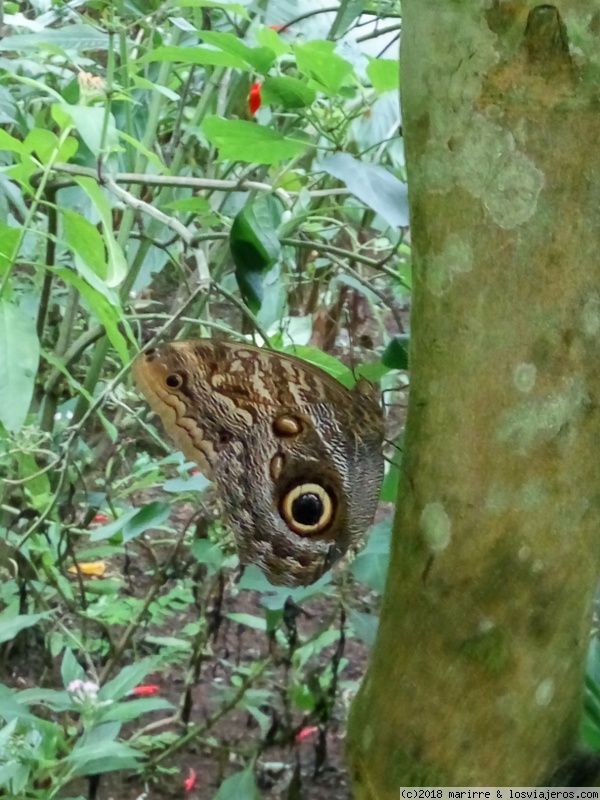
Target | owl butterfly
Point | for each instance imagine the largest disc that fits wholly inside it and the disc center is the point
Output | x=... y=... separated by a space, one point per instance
x=295 y=455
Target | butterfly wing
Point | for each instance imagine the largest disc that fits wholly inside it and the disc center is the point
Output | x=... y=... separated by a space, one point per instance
x=296 y=456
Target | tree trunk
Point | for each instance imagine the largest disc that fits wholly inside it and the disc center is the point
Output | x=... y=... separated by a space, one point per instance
x=476 y=674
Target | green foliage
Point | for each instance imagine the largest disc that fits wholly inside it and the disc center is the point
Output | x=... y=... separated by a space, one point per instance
x=141 y=199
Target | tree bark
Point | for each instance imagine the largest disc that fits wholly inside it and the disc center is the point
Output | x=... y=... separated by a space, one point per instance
x=476 y=674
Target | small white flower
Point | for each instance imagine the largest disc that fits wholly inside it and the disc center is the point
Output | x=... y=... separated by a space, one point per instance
x=83 y=691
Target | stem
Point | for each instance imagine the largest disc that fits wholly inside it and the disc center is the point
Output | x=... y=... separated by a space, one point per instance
x=50 y=262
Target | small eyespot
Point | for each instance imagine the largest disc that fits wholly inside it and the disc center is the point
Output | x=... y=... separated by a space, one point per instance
x=174 y=380
x=287 y=426
x=307 y=509
x=151 y=351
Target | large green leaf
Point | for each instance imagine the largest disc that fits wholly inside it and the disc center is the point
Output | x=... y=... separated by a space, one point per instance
x=19 y=358
x=68 y=37
x=384 y=74
x=318 y=60
x=117 y=264
x=8 y=240
x=255 y=247
x=373 y=185
x=261 y=58
x=89 y=121
x=127 y=679
x=201 y=56
x=395 y=355
x=287 y=92
x=45 y=144
x=85 y=240
x=107 y=313
x=371 y=565
x=231 y=8
x=133 y=522
x=12 y=623
x=238 y=140
x=324 y=361
x=238 y=786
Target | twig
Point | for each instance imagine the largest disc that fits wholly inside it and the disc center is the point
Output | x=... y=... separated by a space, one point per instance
x=172 y=180
x=141 y=205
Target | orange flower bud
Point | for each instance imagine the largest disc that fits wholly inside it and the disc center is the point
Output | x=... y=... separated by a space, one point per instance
x=254 y=98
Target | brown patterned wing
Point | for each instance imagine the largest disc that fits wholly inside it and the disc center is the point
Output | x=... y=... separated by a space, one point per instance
x=296 y=456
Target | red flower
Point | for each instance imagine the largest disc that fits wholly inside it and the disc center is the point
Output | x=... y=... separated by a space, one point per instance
x=100 y=518
x=254 y=99
x=145 y=691
x=190 y=781
x=306 y=733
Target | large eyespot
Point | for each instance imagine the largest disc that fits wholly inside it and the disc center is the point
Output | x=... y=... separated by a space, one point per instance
x=174 y=380
x=307 y=509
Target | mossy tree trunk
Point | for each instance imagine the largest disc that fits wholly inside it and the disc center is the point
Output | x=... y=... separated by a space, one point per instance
x=476 y=675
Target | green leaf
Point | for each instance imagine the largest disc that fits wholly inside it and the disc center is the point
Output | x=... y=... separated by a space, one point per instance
x=324 y=361
x=240 y=785
x=99 y=752
x=395 y=355
x=318 y=60
x=238 y=140
x=197 y=205
x=231 y=8
x=169 y=641
x=261 y=58
x=287 y=92
x=85 y=240
x=275 y=597
x=371 y=565
x=148 y=86
x=45 y=144
x=364 y=625
x=255 y=247
x=348 y=12
x=373 y=185
x=201 y=56
x=208 y=553
x=117 y=264
x=126 y=712
x=106 y=313
x=129 y=677
x=8 y=241
x=37 y=486
x=71 y=669
x=250 y=620
x=133 y=523
x=19 y=359
x=151 y=157
x=51 y=698
x=67 y=37
x=89 y=122
x=391 y=482
x=8 y=142
x=303 y=698
x=267 y=37
x=384 y=74
x=12 y=623
x=195 y=483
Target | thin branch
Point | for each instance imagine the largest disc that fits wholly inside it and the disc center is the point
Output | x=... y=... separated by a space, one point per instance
x=141 y=205
x=171 y=180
